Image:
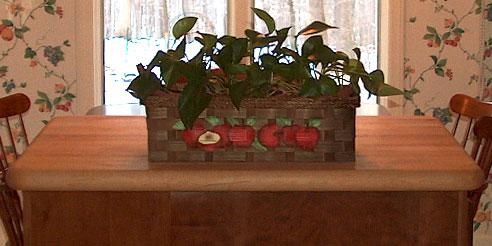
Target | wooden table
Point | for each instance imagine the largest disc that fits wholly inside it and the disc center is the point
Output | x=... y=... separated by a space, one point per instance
x=86 y=181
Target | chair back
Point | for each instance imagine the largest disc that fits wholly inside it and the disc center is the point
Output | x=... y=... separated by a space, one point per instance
x=482 y=153
x=13 y=105
x=469 y=107
x=10 y=206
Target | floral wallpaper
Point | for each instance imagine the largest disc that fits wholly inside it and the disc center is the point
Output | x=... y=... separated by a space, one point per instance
x=36 y=59
x=445 y=54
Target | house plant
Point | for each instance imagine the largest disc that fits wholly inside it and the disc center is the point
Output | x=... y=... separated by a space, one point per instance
x=276 y=99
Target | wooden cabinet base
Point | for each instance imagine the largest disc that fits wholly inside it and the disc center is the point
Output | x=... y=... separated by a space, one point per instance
x=246 y=218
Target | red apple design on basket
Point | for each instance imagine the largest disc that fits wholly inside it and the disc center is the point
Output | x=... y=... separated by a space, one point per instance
x=268 y=135
x=190 y=136
x=242 y=135
x=222 y=129
x=307 y=137
x=288 y=131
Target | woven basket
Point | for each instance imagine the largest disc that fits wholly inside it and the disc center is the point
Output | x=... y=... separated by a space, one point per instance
x=336 y=132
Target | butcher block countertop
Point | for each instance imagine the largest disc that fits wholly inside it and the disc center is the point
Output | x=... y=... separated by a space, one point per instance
x=109 y=153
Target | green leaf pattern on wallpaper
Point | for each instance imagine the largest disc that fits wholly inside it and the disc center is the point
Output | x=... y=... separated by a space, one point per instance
x=441 y=40
x=16 y=46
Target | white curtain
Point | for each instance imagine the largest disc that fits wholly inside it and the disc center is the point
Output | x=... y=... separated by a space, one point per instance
x=357 y=20
x=136 y=19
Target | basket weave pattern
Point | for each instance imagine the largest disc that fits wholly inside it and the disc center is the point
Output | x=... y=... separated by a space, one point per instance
x=337 y=130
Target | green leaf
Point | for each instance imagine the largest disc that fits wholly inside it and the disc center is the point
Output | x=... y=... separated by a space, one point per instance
x=434 y=58
x=446 y=35
x=489 y=81
x=179 y=125
x=208 y=41
x=238 y=69
x=39 y=101
x=214 y=120
x=69 y=97
x=251 y=121
x=269 y=21
x=476 y=226
x=144 y=85
x=57 y=100
x=284 y=122
x=432 y=30
x=357 y=52
x=183 y=26
x=328 y=86
x=43 y=95
x=309 y=47
x=315 y=122
x=310 y=88
x=429 y=36
x=49 y=9
x=233 y=121
x=4 y=69
x=45 y=122
x=67 y=43
x=442 y=63
x=226 y=39
x=486 y=206
x=7 y=22
x=315 y=27
x=418 y=112
x=237 y=92
x=18 y=33
x=23 y=85
x=239 y=49
x=192 y=101
x=458 y=31
x=257 y=145
x=388 y=90
x=439 y=71
x=29 y=53
x=413 y=19
x=170 y=71
x=268 y=61
x=252 y=34
x=50 y=2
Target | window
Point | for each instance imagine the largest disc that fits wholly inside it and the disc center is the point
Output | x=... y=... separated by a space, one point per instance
x=357 y=21
x=235 y=18
x=136 y=29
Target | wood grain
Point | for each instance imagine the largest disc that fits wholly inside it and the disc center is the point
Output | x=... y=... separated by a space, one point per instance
x=246 y=218
x=104 y=153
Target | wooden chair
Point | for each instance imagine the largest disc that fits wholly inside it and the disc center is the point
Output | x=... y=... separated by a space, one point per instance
x=483 y=144
x=10 y=206
x=469 y=107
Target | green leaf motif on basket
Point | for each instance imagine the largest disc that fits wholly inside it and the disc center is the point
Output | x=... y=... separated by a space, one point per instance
x=257 y=145
x=214 y=120
x=179 y=125
x=251 y=121
x=281 y=122
x=314 y=123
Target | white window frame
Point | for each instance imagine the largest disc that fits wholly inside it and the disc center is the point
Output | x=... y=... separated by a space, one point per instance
x=89 y=47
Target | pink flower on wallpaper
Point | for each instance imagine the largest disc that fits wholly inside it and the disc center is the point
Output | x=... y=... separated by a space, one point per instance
x=483 y=216
x=449 y=73
x=33 y=64
x=43 y=108
x=59 y=11
x=59 y=87
x=448 y=22
x=14 y=8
